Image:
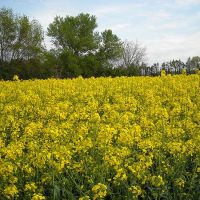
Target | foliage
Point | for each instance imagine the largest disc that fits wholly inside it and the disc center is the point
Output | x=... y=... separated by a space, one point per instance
x=20 y=45
x=133 y=54
x=79 y=50
x=20 y=38
x=110 y=48
x=82 y=49
x=100 y=138
x=74 y=33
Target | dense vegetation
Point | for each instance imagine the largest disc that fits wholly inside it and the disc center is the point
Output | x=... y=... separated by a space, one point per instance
x=78 y=50
x=100 y=138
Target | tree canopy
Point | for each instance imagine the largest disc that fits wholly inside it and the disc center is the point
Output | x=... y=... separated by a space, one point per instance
x=20 y=38
x=74 y=33
x=78 y=49
x=83 y=51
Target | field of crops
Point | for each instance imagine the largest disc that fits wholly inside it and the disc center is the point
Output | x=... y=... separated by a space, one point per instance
x=100 y=138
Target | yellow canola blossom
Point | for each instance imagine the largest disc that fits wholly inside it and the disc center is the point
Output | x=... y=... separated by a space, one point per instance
x=11 y=191
x=38 y=197
x=136 y=191
x=99 y=190
x=100 y=138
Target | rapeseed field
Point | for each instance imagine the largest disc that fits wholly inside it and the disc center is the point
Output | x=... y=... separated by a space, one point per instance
x=100 y=138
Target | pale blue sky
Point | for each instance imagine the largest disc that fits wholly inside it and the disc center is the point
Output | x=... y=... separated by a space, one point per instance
x=167 y=28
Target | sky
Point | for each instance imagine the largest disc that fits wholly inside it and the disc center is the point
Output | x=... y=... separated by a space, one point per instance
x=168 y=29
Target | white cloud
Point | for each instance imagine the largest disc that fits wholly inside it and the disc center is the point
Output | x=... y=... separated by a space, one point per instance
x=107 y=10
x=176 y=46
x=50 y=9
x=102 y=11
x=120 y=27
x=174 y=24
x=158 y=15
x=186 y=2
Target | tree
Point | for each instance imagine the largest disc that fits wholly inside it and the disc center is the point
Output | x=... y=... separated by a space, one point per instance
x=176 y=66
x=74 y=33
x=76 y=40
x=20 y=38
x=155 y=70
x=29 y=38
x=110 y=48
x=166 y=66
x=189 y=66
x=7 y=33
x=192 y=64
x=52 y=63
x=20 y=45
x=196 y=62
x=109 y=53
x=133 y=54
x=83 y=51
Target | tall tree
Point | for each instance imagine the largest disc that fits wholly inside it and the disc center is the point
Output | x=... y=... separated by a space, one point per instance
x=155 y=70
x=20 y=38
x=192 y=64
x=110 y=48
x=7 y=33
x=176 y=66
x=74 y=33
x=20 y=45
x=83 y=50
x=109 y=53
x=195 y=62
x=133 y=54
x=29 y=39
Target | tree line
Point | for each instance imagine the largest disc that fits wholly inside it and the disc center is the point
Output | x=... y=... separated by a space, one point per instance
x=78 y=50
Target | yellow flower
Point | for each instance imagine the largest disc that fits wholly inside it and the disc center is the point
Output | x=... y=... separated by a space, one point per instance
x=38 y=197
x=99 y=190
x=163 y=72
x=136 y=191
x=179 y=182
x=84 y=198
x=15 y=78
x=116 y=129
x=198 y=169
x=157 y=181
x=30 y=186
x=11 y=191
x=184 y=72
x=120 y=176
